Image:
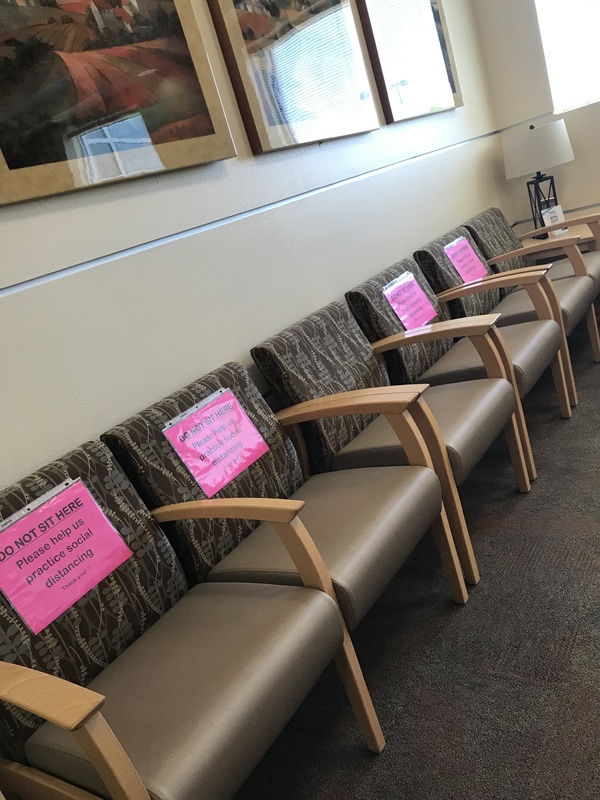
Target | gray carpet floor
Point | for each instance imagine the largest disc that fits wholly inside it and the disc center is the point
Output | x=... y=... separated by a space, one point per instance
x=498 y=699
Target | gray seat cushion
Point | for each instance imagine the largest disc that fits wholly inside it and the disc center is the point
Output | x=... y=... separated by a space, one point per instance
x=564 y=269
x=470 y=415
x=198 y=699
x=531 y=346
x=575 y=296
x=365 y=523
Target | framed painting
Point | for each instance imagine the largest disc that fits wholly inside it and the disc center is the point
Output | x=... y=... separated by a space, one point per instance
x=411 y=56
x=297 y=69
x=93 y=91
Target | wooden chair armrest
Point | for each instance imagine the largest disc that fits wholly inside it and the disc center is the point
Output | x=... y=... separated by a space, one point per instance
x=283 y=516
x=521 y=271
x=65 y=704
x=448 y=329
x=534 y=248
x=516 y=277
x=77 y=710
x=376 y=400
x=266 y=510
x=585 y=219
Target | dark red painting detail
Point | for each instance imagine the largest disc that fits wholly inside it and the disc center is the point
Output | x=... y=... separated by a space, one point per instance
x=68 y=68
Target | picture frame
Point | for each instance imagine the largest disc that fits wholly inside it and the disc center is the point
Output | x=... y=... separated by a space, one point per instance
x=410 y=52
x=97 y=91
x=297 y=69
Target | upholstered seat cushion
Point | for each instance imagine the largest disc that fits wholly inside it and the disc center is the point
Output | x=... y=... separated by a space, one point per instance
x=531 y=346
x=564 y=269
x=470 y=416
x=575 y=296
x=198 y=699
x=365 y=523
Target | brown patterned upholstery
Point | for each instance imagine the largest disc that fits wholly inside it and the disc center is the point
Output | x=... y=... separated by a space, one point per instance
x=493 y=235
x=378 y=319
x=442 y=275
x=162 y=478
x=325 y=353
x=103 y=623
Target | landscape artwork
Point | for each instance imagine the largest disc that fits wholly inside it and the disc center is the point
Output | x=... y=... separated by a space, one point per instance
x=297 y=69
x=98 y=90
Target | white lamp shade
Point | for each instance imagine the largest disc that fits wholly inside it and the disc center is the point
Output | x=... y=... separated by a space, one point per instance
x=537 y=149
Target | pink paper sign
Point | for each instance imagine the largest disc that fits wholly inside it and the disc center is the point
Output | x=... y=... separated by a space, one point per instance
x=409 y=301
x=465 y=260
x=56 y=553
x=216 y=441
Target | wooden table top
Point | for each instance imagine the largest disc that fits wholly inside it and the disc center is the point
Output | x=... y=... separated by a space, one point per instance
x=575 y=230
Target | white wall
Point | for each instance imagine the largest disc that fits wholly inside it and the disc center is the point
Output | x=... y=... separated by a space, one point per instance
x=149 y=309
x=519 y=92
x=514 y=60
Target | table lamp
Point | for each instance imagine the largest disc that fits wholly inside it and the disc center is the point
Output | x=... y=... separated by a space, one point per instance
x=532 y=151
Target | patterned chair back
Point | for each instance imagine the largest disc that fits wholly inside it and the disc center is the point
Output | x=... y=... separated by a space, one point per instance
x=494 y=236
x=378 y=319
x=442 y=275
x=323 y=354
x=162 y=478
x=87 y=637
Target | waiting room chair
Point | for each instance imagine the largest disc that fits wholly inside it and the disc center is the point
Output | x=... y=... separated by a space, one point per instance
x=364 y=522
x=326 y=353
x=483 y=296
x=503 y=251
x=567 y=267
x=145 y=684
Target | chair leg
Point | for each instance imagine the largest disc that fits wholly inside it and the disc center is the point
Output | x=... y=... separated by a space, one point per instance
x=558 y=375
x=458 y=526
x=354 y=683
x=449 y=556
x=524 y=437
x=568 y=372
x=558 y=316
x=592 y=326
x=313 y=573
x=496 y=337
x=450 y=496
x=513 y=440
